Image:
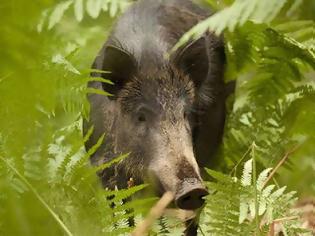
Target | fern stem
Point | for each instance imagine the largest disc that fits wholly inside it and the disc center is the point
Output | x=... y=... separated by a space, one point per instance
x=255 y=189
x=201 y=231
x=240 y=161
x=29 y=185
x=281 y=162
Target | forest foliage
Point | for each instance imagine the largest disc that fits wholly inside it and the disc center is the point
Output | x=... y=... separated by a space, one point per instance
x=47 y=186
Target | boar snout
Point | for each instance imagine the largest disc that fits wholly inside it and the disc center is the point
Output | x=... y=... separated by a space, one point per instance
x=189 y=190
x=190 y=194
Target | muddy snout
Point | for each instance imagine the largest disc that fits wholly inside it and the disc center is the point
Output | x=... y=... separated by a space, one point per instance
x=190 y=194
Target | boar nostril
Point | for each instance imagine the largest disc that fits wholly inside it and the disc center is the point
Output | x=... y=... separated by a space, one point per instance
x=192 y=199
x=185 y=199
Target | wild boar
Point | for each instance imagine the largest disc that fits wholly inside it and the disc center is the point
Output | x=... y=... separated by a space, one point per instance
x=168 y=111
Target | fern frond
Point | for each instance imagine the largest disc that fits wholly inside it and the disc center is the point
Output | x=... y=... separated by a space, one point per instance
x=107 y=164
x=232 y=209
x=269 y=103
x=218 y=176
x=98 y=91
x=58 y=12
x=122 y=194
x=301 y=31
x=62 y=167
x=73 y=169
x=236 y=15
x=61 y=60
x=92 y=8
x=38 y=196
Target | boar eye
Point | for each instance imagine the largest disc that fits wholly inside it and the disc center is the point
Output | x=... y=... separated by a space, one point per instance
x=141 y=117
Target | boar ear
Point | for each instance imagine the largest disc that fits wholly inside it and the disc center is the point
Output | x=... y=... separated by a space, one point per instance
x=203 y=60
x=119 y=64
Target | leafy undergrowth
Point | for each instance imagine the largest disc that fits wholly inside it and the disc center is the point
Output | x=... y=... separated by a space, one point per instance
x=249 y=205
x=47 y=186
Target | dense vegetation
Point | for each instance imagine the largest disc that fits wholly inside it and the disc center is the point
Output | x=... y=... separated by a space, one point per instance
x=47 y=186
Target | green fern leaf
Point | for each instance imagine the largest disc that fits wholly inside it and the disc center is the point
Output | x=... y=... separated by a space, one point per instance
x=94 y=7
x=262 y=178
x=98 y=91
x=58 y=13
x=237 y=14
x=247 y=173
x=218 y=176
x=78 y=10
x=267 y=191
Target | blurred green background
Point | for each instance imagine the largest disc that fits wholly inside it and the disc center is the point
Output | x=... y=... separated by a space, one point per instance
x=47 y=46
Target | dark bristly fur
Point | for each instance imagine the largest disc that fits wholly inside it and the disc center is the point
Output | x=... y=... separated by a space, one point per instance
x=169 y=112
